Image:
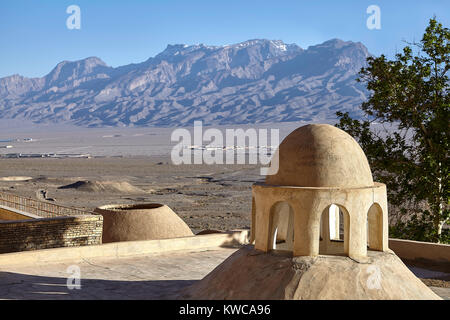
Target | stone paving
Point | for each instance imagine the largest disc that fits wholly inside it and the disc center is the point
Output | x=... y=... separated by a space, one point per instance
x=139 y=277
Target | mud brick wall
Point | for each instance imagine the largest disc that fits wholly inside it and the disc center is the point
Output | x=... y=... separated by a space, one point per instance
x=46 y=233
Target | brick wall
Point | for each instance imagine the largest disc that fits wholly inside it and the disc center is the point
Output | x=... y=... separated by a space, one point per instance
x=43 y=209
x=46 y=233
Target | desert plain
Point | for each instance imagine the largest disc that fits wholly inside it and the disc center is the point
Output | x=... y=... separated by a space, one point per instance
x=125 y=166
x=204 y=196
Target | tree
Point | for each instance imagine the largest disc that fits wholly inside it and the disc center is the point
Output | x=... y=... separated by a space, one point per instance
x=409 y=152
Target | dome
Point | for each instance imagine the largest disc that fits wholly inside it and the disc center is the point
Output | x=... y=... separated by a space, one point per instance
x=321 y=155
x=149 y=221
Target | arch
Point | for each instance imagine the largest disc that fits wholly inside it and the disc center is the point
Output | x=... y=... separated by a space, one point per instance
x=281 y=227
x=334 y=230
x=375 y=227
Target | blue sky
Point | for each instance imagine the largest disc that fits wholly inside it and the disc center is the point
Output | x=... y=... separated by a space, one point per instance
x=35 y=38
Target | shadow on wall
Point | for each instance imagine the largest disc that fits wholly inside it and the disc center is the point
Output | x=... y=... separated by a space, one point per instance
x=31 y=287
x=45 y=233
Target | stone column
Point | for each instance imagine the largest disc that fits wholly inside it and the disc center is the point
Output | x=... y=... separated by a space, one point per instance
x=375 y=223
x=325 y=231
x=262 y=221
x=307 y=211
x=380 y=196
x=356 y=238
x=253 y=225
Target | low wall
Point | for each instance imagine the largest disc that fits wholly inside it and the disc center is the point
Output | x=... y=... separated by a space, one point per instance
x=39 y=208
x=34 y=234
x=426 y=253
x=28 y=224
x=11 y=215
x=128 y=248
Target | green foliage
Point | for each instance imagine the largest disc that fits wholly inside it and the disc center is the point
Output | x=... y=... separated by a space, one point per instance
x=409 y=152
x=419 y=228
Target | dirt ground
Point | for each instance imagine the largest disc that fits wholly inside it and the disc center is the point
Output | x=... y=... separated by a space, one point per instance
x=205 y=196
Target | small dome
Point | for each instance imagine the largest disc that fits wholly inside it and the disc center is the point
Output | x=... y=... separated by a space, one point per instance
x=148 y=221
x=321 y=155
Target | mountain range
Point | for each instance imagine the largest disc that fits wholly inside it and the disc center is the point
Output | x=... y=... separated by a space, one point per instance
x=256 y=81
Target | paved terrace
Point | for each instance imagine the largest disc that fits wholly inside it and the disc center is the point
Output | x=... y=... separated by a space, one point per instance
x=148 y=276
x=141 y=277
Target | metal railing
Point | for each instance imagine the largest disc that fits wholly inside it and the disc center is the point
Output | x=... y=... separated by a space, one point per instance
x=39 y=208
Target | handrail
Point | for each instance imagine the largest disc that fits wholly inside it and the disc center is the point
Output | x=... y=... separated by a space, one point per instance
x=40 y=208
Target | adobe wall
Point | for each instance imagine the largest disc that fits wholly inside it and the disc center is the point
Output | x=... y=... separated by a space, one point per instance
x=46 y=233
x=421 y=251
x=230 y=239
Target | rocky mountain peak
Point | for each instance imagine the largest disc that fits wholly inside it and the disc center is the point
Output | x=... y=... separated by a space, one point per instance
x=67 y=71
x=257 y=80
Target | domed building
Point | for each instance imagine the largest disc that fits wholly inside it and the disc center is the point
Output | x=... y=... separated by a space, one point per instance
x=319 y=228
x=322 y=199
x=147 y=221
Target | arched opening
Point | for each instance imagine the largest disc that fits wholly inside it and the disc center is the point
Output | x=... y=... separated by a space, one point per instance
x=375 y=227
x=334 y=230
x=281 y=227
x=336 y=223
